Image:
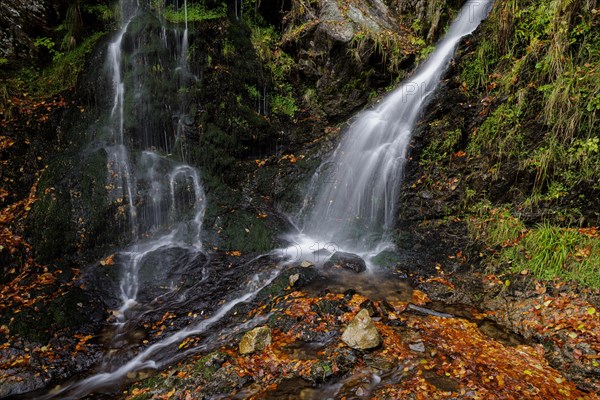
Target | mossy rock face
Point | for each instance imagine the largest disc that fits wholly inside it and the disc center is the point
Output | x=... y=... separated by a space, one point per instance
x=50 y=223
x=73 y=309
x=72 y=207
x=208 y=365
x=387 y=259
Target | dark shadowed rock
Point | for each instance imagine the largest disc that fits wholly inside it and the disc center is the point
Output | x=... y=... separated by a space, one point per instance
x=349 y=261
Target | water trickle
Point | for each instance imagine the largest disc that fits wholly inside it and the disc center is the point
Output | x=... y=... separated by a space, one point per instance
x=352 y=198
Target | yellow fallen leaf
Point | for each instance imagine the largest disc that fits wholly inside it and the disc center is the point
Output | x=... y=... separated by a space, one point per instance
x=591 y=311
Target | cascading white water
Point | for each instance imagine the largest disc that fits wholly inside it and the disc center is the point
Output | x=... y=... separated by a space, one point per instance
x=159 y=194
x=353 y=194
x=119 y=169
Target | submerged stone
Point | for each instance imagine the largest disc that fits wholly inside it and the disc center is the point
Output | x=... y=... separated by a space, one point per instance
x=255 y=340
x=349 y=261
x=361 y=333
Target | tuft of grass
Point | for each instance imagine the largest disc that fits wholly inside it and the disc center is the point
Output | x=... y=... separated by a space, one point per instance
x=553 y=252
x=547 y=250
x=389 y=45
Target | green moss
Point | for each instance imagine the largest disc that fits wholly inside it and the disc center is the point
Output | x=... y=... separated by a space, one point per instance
x=536 y=62
x=441 y=148
x=64 y=71
x=206 y=366
x=50 y=222
x=283 y=104
x=499 y=132
x=242 y=231
x=266 y=42
x=196 y=12
x=386 y=259
x=321 y=371
x=63 y=312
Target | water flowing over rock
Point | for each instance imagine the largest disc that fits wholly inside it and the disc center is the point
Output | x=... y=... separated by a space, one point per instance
x=361 y=333
x=354 y=192
x=255 y=340
x=348 y=261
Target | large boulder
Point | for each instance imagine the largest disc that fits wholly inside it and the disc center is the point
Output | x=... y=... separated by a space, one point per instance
x=361 y=333
x=348 y=261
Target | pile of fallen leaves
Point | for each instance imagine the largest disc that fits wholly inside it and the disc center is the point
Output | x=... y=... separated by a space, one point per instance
x=565 y=322
x=423 y=356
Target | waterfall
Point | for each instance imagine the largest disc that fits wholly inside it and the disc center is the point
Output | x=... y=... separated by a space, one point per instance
x=352 y=197
x=163 y=200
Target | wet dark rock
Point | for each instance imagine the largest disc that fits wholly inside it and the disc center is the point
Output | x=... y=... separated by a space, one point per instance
x=56 y=328
x=170 y=267
x=321 y=253
x=378 y=363
x=224 y=381
x=20 y=382
x=103 y=283
x=281 y=284
x=345 y=359
x=349 y=261
x=331 y=307
x=370 y=307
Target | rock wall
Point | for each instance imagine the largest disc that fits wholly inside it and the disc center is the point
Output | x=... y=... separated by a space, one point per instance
x=20 y=23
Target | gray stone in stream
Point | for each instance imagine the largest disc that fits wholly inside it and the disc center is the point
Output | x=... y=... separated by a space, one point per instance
x=361 y=333
x=255 y=340
x=349 y=261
